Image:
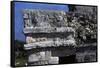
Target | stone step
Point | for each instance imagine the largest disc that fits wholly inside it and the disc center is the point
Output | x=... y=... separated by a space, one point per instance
x=44 y=44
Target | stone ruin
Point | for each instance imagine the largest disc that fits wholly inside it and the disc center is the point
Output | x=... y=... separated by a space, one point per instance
x=47 y=36
x=52 y=34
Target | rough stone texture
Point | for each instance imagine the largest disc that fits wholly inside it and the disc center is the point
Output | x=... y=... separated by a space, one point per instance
x=43 y=21
x=41 y=26
x=50 y=43
x=79 y=27
x=53 y=60
x=48 y=29
x=84 y=20
x=86 y=56
x=44 y=18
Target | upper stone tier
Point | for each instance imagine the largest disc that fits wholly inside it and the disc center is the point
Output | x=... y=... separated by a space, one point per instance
x=45 y=21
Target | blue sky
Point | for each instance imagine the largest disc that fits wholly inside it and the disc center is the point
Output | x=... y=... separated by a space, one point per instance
x=19 y=6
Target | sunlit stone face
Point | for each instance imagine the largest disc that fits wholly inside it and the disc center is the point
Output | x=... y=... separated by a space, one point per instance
x=44 y=18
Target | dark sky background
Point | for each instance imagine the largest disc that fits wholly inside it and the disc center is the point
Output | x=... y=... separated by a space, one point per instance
x=19 y=6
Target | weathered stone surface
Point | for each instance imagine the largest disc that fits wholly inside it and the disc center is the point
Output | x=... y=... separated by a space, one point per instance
x=54 y=60
x=84 y=20
x=39 y=56
x=43 y=57
x=48 y=29
x=44 y=18
x=52 y=43
x=86 y=56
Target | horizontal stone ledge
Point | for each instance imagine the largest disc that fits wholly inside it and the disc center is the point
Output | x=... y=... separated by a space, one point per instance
x=45 y=44
x=48 y=29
